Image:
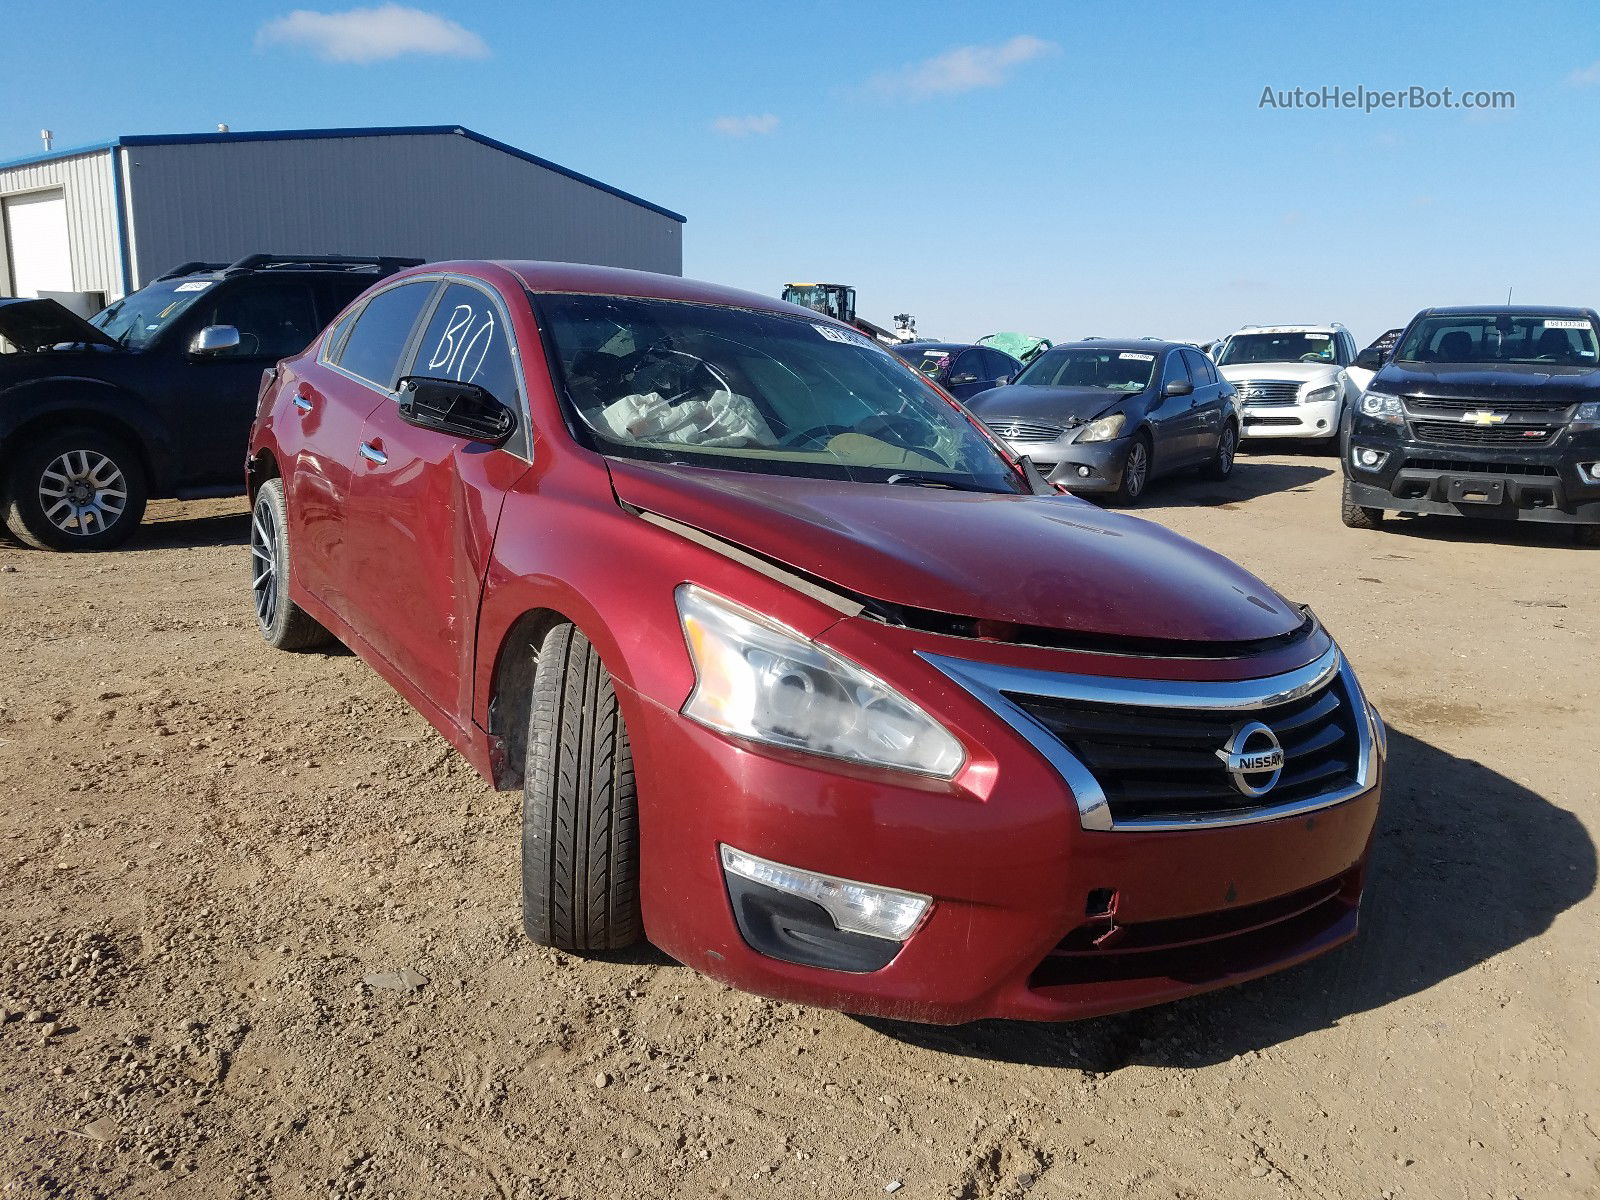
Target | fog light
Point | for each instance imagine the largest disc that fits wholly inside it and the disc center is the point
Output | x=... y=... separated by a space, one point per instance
x=1590 y=471
x=878 y=912
x=1083 y=472
x=1369 y=458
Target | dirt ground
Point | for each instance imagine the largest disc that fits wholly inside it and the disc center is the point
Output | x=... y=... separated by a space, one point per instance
x=222 y=869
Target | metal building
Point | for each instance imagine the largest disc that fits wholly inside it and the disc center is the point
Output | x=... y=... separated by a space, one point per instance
x=108 y=218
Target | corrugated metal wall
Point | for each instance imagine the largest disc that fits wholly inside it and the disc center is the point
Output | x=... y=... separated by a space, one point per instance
x=431 y=196
x=91 y=215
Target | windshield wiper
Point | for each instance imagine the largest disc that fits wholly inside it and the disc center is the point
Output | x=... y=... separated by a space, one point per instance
x=912 y=479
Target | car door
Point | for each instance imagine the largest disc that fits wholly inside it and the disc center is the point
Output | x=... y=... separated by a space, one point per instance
x=217 y=393
x=353 y=374
x=1207 y=405
x=423 y=505
x=1172 y=420
x=965 y=375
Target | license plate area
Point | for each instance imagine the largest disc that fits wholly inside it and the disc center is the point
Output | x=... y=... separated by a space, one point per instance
x=1476 y=491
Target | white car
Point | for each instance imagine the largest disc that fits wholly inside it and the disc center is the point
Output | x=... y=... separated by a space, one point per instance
x=1293 y=381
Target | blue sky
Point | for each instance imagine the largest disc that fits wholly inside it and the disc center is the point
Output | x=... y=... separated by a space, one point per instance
x=1063 y=169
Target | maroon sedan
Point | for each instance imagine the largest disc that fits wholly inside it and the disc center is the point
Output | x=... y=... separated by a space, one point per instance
x=802 y=677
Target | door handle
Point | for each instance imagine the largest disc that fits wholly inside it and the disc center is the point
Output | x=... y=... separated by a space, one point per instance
x=303 y=404
x=372 y=454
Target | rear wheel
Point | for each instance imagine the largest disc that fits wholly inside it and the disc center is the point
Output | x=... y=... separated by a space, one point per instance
x=1135 y=472
x=284 y=624
x=1358 y=516
x=76 y=489
x=580 y=831
x=1221 y=464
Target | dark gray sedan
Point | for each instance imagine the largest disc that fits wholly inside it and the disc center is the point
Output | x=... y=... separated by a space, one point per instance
x=1106 y=417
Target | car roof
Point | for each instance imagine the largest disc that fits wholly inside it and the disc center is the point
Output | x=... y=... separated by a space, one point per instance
x=919 y=347
x=1287 y=329
x=1143 y=345
x=1508 y=310
x=610 y=281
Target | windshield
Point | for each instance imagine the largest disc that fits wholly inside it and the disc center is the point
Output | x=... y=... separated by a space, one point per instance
x=1501 y=338
x=138 y=319
x=1276 y=348
x=709 y=386
x=1082 y=366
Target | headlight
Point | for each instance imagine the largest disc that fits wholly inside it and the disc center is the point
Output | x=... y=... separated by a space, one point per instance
x=1382 y=406
x=1331 y=392
x=757 y=679
x=1104 y=429
x=1587 y=416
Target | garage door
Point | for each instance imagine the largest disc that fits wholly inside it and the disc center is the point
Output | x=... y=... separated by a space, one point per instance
x=36 y=243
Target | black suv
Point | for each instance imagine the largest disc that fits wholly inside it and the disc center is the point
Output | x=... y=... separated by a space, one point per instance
x=1491 y=412
x=152 y=397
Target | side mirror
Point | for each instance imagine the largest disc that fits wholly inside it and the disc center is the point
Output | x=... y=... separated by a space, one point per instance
x=215 y=339
x=1370 y=359
x=1178 y=387
x=462 y=410
x=1002 y=381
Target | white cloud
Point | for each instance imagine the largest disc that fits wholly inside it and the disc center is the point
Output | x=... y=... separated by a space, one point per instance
x=745 y=126
x=1585 y=76
x=368 y=35
x=964 y=69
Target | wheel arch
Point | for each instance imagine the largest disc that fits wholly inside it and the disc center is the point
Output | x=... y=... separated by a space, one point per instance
x=511 y=693
x=42 y=408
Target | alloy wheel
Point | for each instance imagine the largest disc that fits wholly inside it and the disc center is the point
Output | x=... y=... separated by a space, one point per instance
x=264 y=563
x=1138 y=466
x=83 y=492
x=1227 y=449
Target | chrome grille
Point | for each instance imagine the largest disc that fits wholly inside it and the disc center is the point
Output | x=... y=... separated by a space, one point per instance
x=1267 y=391
x=1147 y=754
x=1024 y=431
x=1162 y=764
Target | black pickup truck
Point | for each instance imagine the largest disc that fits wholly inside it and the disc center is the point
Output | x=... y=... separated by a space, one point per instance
x=152 y=397
x=1485 y=412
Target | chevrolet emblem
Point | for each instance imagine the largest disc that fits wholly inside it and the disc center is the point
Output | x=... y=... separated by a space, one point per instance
x=1483 y=418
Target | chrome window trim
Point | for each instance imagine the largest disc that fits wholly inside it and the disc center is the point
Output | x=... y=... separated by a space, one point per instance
x=988 y=683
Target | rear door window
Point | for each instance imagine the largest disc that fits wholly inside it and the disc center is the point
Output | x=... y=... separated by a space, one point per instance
x=382 y=331
x=1199 y=369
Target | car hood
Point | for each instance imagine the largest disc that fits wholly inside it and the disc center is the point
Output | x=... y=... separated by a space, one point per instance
x=1062 y=405
x=32 y=325
x=1051 y=561
x=1475 y=382
x=1298 y=371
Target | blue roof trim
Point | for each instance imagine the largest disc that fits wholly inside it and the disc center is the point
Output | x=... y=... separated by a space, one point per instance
x=292 y=135
x=35 y=159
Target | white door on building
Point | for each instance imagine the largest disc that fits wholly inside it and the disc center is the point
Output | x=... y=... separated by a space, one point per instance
x=36 y=243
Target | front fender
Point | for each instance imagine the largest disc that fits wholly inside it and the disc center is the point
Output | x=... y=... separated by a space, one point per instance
x=67 y=399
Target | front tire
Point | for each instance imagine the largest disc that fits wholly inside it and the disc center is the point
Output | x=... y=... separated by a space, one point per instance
x=580 y=829
x=76 y=489
x=284 y=625
x=1221 y=464
x=1358 y=516
x=1135 y=473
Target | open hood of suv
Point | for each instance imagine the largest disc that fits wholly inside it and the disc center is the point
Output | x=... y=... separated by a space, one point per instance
x=33 y=325
x=1050 y=561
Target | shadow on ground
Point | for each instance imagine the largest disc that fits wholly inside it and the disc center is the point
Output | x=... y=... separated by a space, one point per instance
x=218 y=529
x=1250 y=479
x=1467 y=865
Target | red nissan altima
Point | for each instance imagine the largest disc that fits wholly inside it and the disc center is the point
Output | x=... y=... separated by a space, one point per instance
x=802 y=677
